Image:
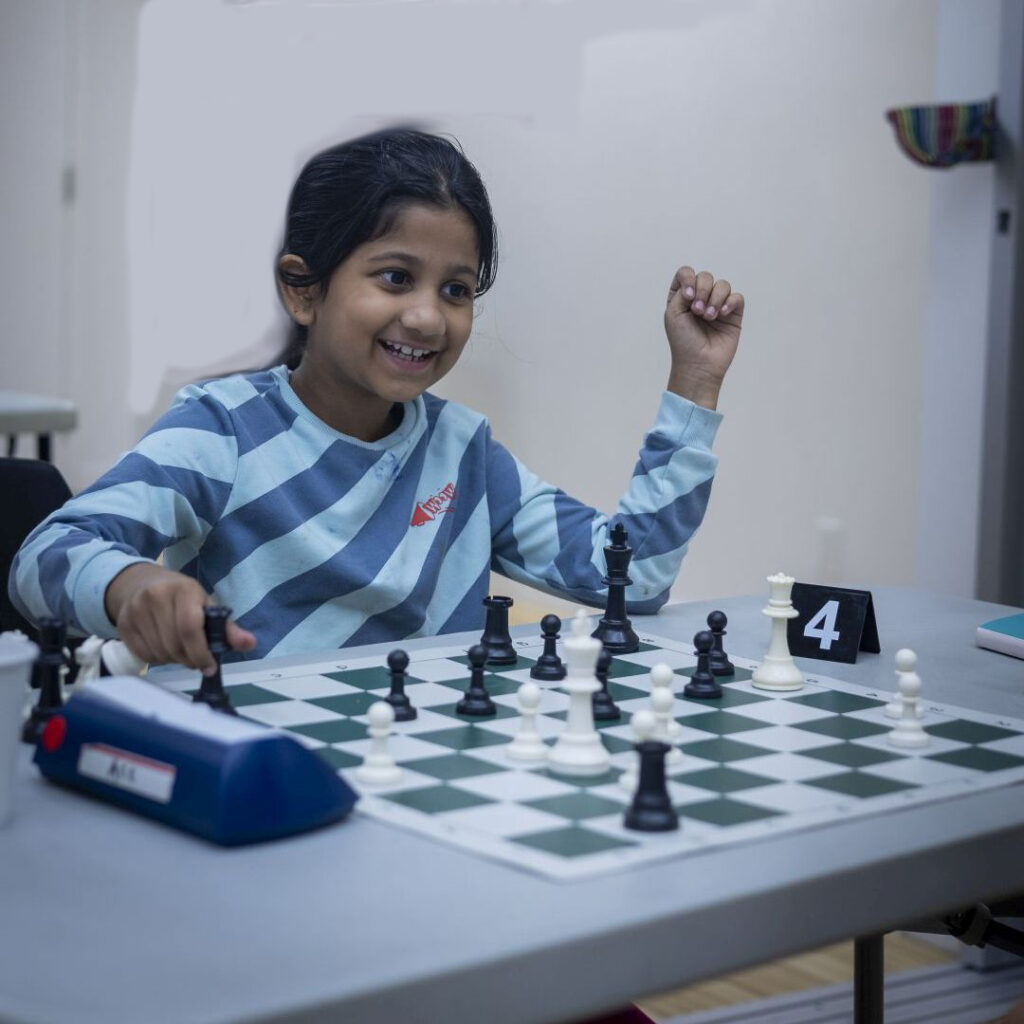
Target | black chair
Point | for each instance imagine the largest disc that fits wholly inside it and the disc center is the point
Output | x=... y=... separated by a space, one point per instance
x=31 y=489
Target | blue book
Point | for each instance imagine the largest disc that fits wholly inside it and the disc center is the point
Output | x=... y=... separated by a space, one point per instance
x=1005 y=635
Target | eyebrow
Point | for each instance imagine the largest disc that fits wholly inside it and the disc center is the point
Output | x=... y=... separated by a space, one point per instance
x=406 y=257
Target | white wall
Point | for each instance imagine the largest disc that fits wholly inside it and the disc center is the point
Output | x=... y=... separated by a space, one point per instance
x=618 y=141
x=35 y=65
x=961 y=215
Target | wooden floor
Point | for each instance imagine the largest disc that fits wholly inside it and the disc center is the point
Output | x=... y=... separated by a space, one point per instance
x=830 y=965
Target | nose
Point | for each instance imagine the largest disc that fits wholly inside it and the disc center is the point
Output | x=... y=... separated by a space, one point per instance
x=424 y=316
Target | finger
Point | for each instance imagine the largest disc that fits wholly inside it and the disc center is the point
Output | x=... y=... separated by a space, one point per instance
x=188 y=613
x=702 y=291
x=720 y=293
x=240 y=639
x=145 y=622
x=682 y=286
x=733 y=307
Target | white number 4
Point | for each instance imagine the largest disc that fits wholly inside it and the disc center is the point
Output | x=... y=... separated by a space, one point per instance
x=822 y=625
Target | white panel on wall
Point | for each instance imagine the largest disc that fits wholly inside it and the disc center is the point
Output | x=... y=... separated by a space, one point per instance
x=618 y=141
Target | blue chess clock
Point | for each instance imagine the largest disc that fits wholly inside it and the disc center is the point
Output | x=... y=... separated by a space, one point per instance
x=231 y=781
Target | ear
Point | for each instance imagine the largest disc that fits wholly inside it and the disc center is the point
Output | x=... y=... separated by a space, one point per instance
x=300 y=302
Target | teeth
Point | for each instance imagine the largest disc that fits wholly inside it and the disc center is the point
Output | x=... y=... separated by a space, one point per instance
x=408 y=351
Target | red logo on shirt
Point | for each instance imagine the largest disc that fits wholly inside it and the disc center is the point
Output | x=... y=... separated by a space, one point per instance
x=438 y=504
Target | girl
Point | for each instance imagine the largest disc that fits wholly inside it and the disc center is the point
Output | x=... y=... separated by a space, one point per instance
x=332 y=500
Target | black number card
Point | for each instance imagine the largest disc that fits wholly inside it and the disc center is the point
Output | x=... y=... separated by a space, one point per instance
x=832 y=623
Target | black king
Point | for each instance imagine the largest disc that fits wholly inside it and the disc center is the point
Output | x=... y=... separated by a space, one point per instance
x=615 y=631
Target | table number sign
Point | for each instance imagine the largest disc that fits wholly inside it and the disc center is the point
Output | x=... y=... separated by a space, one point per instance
x=832 y=623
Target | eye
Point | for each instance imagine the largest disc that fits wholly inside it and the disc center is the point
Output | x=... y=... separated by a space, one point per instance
x=395 y=277
x=458 y=290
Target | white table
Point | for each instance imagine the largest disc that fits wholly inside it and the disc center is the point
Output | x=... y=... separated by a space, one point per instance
x=111 y=918
x=35 y=414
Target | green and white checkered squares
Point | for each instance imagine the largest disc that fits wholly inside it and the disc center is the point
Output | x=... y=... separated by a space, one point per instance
x=754 y=763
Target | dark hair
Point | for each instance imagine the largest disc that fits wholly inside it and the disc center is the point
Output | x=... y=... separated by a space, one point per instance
x=352 y=193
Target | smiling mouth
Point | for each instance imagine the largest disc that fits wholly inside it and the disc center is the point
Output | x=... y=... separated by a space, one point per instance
x=410 y=353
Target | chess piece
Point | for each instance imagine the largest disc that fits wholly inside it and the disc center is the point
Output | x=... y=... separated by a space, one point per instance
x=720 y=663
x=702 y=684
x=88 y=655
x=211 y=690
x=548 y=667
x=378 y=767
x=643 y=723
x=651 y=809
x=615 y=631
x=662 y=677
x=605 y=709
x=496 y=638
x=894 y=709
x=527 y=744
x=47 y=676
x=778 y=671
x=908 y=731
x=662 y=700
x=117 y=660
x=398 y=662
x=477 y=701
x=578 y=749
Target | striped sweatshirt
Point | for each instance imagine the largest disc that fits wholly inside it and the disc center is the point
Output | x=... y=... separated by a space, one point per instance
x=318 y=540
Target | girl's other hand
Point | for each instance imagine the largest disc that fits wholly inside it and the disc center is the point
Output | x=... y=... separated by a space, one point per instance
x=702 y=321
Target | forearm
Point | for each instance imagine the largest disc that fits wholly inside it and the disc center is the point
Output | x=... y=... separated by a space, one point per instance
x=698 y=387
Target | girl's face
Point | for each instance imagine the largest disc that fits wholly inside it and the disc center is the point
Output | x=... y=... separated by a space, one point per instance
x=395 y=319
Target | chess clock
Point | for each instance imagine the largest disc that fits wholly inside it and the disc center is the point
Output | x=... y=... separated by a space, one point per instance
x=228 y=780
x=832 y=623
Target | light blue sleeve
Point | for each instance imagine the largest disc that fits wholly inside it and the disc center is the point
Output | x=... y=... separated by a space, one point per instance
x=546 y=539
x=168 y=490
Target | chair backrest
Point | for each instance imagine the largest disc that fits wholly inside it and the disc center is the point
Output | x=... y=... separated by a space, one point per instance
x=31 y=490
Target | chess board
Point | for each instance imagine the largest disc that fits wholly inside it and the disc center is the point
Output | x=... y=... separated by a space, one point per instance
x=754 y=763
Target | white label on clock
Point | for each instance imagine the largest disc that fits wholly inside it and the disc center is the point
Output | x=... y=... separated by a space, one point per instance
x=121 y=768
x=822 y=625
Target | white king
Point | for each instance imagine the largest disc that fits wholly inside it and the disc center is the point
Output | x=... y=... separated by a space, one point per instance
x=579 y=750
x=778 y=671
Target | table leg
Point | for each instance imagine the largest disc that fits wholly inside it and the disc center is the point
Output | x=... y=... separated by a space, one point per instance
x=869 y=979
x=43 y=447
x=12 y=443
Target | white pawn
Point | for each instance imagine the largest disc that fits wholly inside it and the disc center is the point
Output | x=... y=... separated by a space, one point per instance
x=644 y=725
x=378 y=767
x=87 y=655
x=908 y=731
x=894 y=709
x=527 y=744
x=662 y=676
x=119 y=660
x=662 y=700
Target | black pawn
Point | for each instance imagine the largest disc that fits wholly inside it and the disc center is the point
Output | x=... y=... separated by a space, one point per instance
x=47 y=671
x=651 y=809
x=496 y=638
x=398 y=662
x=615 y=631
x=548 y=667
x=720 y=663
x=211 y=690
x=703 y=684
x=477 y=701
x=605 y=709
